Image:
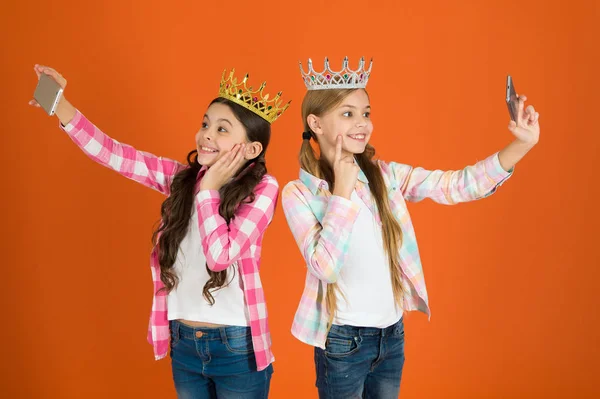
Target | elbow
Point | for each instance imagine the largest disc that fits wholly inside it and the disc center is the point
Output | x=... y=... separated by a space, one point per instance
x=327 y=275
x=215 y=265
x=324 y=266
x=217 y=257
x=330 y=278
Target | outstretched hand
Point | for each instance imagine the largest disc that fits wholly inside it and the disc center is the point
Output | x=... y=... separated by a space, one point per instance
x=526 y=128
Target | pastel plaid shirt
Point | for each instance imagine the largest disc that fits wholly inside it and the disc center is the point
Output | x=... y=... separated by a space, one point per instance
x=223 y=244
x=321 y=224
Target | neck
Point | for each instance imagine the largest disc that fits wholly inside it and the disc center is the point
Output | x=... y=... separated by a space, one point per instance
x=329 y=155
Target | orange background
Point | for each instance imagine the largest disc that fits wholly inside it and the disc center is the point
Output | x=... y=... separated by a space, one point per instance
x=513 y=280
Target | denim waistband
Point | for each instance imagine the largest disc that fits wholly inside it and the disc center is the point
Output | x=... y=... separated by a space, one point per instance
x=182 y=330
x=366 y=331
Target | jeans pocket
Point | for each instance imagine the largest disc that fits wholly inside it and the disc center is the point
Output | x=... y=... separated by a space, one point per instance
x=174 y=334
x=340 y=347
x=239 y=343
x=399 y=330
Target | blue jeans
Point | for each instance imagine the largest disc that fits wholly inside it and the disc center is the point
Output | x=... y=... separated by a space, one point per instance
x=361 y=362
x=216 y=363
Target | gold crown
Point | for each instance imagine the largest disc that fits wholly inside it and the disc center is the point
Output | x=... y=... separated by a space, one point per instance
x=255 y=101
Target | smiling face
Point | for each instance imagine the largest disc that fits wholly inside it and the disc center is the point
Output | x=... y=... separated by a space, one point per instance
x=350 y=118
x=220 y=131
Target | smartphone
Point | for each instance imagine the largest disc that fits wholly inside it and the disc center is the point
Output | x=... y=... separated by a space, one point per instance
x=48 y=93
x=511 y=99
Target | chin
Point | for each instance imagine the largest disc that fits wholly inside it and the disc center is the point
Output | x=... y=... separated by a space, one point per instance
x=357 y=149
x=204 y=161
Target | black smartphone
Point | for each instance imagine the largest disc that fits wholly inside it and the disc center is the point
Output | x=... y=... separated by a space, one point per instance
x=512 y=101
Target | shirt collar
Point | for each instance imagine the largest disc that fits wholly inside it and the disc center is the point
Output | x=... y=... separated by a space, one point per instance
x=313 y=183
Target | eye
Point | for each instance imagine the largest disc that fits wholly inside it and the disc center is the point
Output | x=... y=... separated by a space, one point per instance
x=204 y=125
x=367 y=114
x=347 y=114
x=221 y=129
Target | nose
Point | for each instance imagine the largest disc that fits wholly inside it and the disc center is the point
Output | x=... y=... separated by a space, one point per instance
x=361 y=122
x=207 y=135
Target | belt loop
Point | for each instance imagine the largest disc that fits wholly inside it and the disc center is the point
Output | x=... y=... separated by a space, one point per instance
x=223 y=334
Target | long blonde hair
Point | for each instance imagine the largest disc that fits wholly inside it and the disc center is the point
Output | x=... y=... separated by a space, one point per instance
x=319 y=102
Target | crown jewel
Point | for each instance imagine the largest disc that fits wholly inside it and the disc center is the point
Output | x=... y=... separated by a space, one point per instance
x=254 y=100
x=329 y=79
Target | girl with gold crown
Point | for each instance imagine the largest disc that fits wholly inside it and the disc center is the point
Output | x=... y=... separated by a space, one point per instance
x=209 y=304
x=348 y=215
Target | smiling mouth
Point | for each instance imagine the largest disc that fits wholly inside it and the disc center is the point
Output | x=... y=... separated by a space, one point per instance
x=359 y=137
x=207 y=150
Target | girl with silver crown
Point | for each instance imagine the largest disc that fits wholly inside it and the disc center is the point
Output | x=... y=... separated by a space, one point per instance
x=209 y=304
x=348 y=215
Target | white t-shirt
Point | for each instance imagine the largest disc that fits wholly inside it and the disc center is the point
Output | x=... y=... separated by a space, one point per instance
x=364 y=281
x=186 y=301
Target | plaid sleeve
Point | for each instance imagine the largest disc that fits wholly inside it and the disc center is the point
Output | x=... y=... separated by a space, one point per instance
x=450 y=187
x=257 y=311
x=147 y=169
x=158 y=326
x=224 y=244
x=324 y=245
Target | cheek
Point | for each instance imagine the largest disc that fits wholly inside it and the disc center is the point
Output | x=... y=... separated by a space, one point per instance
x=335 y=128
x=331 y=134
x=224 y=144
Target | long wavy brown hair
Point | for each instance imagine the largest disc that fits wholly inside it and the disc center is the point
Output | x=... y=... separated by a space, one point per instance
x=319 y=102
x=176 y=210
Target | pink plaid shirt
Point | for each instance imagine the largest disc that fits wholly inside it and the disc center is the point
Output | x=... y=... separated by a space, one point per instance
x=223 y=244
x=322 y=226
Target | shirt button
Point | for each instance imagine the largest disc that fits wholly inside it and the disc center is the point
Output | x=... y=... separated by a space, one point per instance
x=199 y=334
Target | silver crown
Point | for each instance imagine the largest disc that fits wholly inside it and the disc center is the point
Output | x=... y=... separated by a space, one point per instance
x=344 y=79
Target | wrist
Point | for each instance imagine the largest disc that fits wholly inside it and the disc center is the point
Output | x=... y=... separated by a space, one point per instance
x=208 y=186
x=526 y=144
x=65 y=111
x=342 y=194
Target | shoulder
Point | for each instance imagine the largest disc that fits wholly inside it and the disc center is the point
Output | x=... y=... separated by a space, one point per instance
x=269 y=180
x=295 y=188
x=392 y=169
x=267 y=187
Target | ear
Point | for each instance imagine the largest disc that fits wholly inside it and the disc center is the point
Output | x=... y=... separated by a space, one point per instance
x=253 y=150
x=314 y=122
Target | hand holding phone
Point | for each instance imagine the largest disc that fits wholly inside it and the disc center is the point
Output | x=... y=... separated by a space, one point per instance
x=47 y=94
x=49 y=90
x=524 y=120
